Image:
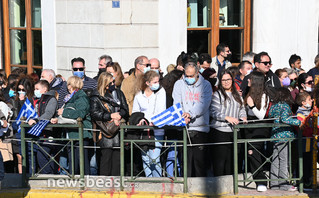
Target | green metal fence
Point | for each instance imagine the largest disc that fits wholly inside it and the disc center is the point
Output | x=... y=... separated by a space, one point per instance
x=247 y=142
x=38 y=142
x=133 y=143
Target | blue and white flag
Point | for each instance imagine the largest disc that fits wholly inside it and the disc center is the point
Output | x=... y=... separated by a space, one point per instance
x=171 y=116
x=26 y=111
x=37 y=129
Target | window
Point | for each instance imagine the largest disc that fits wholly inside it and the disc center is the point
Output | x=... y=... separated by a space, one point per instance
x=22 y=35
x=211 y=22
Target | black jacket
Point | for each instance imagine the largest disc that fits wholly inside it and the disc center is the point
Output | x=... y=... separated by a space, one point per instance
x=100 y=113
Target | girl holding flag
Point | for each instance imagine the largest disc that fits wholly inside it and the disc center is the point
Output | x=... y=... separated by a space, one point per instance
x=151 y=101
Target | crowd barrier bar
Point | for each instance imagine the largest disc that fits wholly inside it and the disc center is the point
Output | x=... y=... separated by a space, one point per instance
x=247 y=141
x=33 y=141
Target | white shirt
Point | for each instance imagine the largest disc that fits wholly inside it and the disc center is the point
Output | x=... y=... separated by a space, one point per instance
x=150 y=105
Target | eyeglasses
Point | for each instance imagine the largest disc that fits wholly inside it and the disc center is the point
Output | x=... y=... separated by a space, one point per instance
x=21 y=89
x=78 y=69
x=309 y=82
x=147 y=65
x=266 y=63
x=226 y=80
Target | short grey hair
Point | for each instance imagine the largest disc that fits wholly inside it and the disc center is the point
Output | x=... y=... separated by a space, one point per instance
x=191 y=64
x=139 y=60
x=291 y=71
x=106 y=57
x=50 y=72
x=248 y=56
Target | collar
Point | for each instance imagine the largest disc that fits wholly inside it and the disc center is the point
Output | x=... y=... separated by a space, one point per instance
x=224 y=62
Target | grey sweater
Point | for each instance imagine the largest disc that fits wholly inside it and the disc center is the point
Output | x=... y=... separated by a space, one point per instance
x=218 y=111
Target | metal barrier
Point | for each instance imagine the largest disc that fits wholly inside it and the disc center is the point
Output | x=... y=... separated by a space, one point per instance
x=267 y=159
x=35 y=140
x=133 y=143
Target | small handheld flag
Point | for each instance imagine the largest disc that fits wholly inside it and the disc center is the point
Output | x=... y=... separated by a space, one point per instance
x=38 y=128
x=171 y=116
x=26 y=111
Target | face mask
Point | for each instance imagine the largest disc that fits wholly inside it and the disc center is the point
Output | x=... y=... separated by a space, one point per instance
x=248 y=72
x=113 y=76
x=190 y=81
x=146 y=69
x=79 y=74
x=293 y=83
x=111 y=88
x=308 y=106
x=286 y=81
x=228 y=57
x=101 y=70
x=308 y=89
x=37 y=93
x=201 y=70
x=253 y=65
x=156 y=70
x=155 y=87
x=21 y=92
x=11 y=93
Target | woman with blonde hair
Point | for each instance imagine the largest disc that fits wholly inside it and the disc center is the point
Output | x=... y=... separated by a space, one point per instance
x=108 y=103
x=77 y=105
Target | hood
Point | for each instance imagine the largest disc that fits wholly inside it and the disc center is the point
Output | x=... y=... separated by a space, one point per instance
x=57 y=82
x=50 y=93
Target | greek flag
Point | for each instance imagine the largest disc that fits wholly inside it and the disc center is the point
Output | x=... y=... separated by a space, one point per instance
x=171 y=116
x=26 y=111
x=37 y=129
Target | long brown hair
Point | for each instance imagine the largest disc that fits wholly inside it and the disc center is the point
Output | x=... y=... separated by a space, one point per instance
x=28 y=86
x=117 y=69
x=233 y=88
x=257 y=89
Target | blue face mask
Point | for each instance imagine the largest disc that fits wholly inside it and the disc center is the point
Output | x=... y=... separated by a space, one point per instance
x=79 y=74
x=37 y=93
x=201 y=70
x=11 y=93
x=156 y=70
x=190 y=81
x=146 y=69
x=155 y=87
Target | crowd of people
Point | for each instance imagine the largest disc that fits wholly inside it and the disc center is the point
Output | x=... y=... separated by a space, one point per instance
x=214 y=96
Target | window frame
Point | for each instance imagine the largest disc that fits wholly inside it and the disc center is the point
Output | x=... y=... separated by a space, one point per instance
x=6 y=34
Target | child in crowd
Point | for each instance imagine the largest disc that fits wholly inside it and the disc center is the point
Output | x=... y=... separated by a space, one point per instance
x=281 y=110
x=304 y=102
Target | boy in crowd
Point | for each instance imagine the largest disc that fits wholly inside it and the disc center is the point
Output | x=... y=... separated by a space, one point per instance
x=304 y=101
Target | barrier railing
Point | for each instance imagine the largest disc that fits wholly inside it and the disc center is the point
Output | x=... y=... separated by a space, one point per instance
x=38 y=142
x=267 y=159
x=133 y=143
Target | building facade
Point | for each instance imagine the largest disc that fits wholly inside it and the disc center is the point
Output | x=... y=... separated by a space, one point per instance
x=49 y=33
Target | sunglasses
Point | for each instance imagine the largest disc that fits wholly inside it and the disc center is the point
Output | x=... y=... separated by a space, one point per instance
x=147 y=65
x=309 y=82
x=266 y=63
x=78 y=69
x=21 y=89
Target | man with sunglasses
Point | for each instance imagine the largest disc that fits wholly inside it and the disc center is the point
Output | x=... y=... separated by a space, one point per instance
x=132 y=84
x=103 y=60
x=263 y=64
x=78 y=69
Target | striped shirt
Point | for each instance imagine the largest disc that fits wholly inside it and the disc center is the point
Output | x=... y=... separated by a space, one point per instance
x=88 y=83
x=218 y=111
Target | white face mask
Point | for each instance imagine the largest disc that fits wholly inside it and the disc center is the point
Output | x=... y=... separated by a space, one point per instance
x=248 y=72
x=308 y=106
x=308 y=89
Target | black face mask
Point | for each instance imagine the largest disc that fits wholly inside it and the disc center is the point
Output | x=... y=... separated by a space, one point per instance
x=228 y=57
x=111 y=88
x=101 y=70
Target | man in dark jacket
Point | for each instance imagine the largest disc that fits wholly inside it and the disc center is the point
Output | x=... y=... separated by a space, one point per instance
x=263 y=64
x=46 y=107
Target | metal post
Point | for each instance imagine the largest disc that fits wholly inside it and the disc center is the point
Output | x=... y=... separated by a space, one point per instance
x=81 y=150
x=24 y=158
x=300 y=154
x=32 y=159
x=235 y=162
x=72 y=158
x=185 y=159
x=122 y=158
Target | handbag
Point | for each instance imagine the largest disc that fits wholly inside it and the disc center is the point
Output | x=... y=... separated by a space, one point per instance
x=63 y=120
x=108 y=129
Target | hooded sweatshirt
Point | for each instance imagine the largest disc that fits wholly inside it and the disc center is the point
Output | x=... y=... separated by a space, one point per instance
x=195 y=100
